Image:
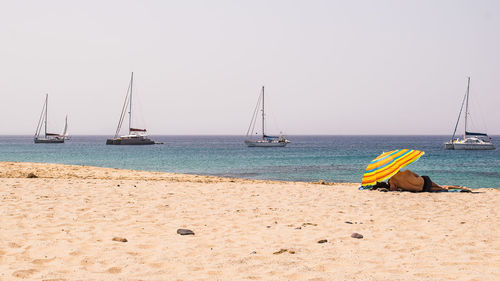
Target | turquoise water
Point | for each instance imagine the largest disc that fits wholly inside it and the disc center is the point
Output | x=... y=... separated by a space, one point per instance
x=307 y=158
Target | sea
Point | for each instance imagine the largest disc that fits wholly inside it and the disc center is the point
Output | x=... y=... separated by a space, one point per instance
x=306 y=159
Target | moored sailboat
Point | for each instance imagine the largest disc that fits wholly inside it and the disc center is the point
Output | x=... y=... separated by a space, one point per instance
x=42 y=122
x=470 y=140
x=135 y=136
x=267 y=140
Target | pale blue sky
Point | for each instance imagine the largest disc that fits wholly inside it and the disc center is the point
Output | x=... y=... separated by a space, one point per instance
x=329 y=67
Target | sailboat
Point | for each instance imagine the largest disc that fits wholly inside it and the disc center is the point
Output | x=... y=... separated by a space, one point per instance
x=471 y=140
x=135 y=136
x=42 y=122
x=266 y=141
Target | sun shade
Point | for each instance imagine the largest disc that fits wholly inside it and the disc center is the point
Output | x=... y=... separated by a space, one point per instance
x=388 y=164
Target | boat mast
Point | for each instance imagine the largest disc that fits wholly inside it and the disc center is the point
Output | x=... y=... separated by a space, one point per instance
x=467 y=106
x=263 y=134
x=130 y=101
x=46 y=110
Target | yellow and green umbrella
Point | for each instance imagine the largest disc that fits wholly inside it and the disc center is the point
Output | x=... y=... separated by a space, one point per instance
x=388 y=164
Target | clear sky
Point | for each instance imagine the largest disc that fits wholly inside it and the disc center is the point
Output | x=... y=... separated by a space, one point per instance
x=329 y=67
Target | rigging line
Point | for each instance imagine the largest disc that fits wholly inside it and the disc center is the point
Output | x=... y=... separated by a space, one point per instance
x=39 y=125
x=122 y=115
x=120 y=121
x=458 y=120
x=256 y=116
x=252 y=122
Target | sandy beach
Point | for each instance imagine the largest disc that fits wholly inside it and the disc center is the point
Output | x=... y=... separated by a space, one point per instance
x=89 y=223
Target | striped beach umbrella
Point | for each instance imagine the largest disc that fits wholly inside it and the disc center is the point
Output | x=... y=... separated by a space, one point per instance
x=388 y=164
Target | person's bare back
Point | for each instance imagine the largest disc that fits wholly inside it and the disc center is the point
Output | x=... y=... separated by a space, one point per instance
x=406 y=180
x=409 y=181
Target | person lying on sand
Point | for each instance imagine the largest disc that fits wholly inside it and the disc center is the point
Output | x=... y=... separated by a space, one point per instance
x=409 y=181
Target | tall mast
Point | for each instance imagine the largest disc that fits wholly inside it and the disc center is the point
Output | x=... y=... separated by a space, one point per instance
x=130 y=100
x=46 y=110
x=263 y=134
x=467 y=106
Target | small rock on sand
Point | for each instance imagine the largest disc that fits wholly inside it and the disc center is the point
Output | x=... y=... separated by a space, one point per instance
x=356 y=235
x=182 y=231
x=322 y=241
x=281 y=251
x=120 y=239
x=32 y=176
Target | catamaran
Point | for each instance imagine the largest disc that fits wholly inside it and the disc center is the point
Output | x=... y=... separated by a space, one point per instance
x=471 y=140
x=266 y=141
x=42 y=122
x=135 y=136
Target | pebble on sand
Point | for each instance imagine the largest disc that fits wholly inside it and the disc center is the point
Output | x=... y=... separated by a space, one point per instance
x=32 y=176
x=322 y=241
x=120 y=239
x=182 y=231
x=281 y=251
x=356 y=235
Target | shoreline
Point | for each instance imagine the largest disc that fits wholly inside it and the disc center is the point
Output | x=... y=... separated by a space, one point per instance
x=307 y=159
x=46 y=170
x=81 y=223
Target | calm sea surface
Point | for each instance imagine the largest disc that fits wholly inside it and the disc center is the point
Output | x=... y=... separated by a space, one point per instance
x=307 y=158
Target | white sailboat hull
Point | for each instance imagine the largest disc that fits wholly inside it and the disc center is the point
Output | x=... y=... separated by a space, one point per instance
x=251 y=143
x=448 y=146
x=51 y=140
x=469 y=146
x=135 y=140
x=471 y=143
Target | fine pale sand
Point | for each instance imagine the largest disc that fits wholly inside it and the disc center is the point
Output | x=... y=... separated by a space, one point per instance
x=69 y=224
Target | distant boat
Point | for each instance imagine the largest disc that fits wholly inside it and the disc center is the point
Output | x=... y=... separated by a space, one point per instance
x=471 y=140
x=135 y=136
x=266 y=141
x=42 y=122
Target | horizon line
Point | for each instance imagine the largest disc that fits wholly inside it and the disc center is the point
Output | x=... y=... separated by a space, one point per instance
x=105 y=135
